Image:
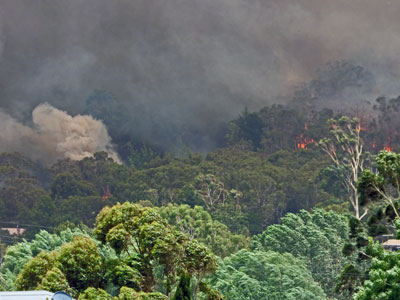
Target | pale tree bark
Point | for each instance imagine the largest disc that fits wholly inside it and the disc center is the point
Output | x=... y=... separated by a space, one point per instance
x=346 y=153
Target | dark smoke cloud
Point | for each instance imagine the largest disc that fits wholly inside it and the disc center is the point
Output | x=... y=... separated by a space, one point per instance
x=179 y=67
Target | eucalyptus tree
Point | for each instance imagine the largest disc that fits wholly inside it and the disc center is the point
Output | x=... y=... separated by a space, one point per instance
x=346 y=151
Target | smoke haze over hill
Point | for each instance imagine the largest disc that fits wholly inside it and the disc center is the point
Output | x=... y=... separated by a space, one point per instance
x=187 y=65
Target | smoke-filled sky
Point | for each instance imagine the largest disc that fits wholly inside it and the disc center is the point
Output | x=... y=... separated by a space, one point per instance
x=186 y=64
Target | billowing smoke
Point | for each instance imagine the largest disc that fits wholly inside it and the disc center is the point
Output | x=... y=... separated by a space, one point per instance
x=179 y=67
x=55 y=134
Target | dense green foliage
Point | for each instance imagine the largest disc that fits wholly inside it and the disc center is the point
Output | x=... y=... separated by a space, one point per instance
x=258 y=204
x=198 y=223
x=265 y=275
x=125 y=294
x=183 y=290
x=383 y=277
x=385 y=184
x=17 y=255
x=149 y=241
x=95 y=294
x=251 y=195
x=148 y=258
x=317 y=239
x=77 y=266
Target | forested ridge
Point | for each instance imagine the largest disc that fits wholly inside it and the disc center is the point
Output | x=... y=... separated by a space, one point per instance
x=286 y=208
x=200 y=150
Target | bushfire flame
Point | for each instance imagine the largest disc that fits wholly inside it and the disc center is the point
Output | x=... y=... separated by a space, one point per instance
x=387 y=148
x=303 y=141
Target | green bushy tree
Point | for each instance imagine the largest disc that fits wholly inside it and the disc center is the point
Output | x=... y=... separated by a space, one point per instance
x=249 y=275
x=198 y=224
x=19 y=254
x=383 y=277
x=316 y=238
x=149 y=241
x=384 y=185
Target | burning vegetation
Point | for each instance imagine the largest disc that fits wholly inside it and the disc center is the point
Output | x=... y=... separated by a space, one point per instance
x=290 y=127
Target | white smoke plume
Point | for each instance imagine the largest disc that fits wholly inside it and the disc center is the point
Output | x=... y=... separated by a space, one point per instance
x=55 y=134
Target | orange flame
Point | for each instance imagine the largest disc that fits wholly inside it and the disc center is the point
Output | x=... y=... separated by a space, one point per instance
x=387 y=148
x=302 y=141
x=106 y=194
x=301 y=146
x=360 y=128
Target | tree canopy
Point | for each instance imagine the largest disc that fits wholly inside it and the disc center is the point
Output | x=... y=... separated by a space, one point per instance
x=265 y=275
x=315 y=238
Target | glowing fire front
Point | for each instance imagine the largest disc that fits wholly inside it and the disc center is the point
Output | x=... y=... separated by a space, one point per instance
x=387 y=148
x=302 y=141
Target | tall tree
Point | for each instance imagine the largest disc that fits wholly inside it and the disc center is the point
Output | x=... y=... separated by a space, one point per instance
x=346 y=150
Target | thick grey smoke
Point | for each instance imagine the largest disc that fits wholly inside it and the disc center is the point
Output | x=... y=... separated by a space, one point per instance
x=181 y=66
x=55 y=134
x=1 y=34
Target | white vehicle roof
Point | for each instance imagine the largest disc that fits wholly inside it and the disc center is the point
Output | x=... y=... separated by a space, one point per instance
x=27 y=295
